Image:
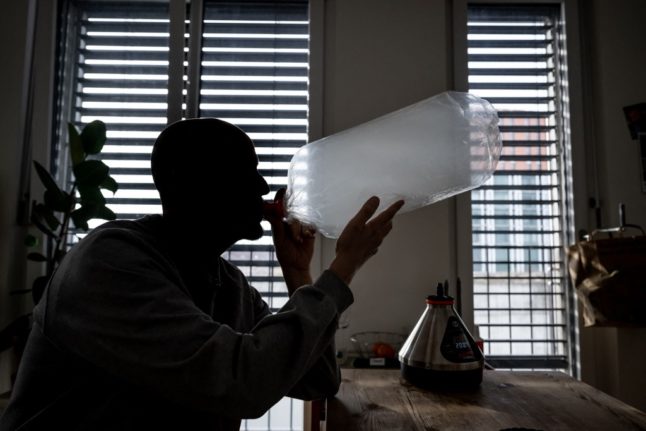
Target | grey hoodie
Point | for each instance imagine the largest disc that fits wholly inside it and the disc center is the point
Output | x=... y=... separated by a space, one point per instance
x=132 y=336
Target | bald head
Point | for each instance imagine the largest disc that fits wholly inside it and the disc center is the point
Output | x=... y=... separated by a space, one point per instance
x=202 y=165
x=189 y=151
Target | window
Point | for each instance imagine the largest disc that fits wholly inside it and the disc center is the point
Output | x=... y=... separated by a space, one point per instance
x=255 y=75
x=122 y=79
x=253 y=72
x=518 y=220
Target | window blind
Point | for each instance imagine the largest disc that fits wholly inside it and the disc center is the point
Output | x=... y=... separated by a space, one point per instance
x=123 y=81
x=520 y=290
x=255 y=75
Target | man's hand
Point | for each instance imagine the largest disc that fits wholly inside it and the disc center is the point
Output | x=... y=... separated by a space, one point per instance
x=360 y=239
x=294 y=244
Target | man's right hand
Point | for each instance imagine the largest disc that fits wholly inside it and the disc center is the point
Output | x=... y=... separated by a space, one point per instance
x=360 y=239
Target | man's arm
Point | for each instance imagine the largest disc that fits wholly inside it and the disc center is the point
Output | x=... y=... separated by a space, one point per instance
x=294 y=247
x=323 y=378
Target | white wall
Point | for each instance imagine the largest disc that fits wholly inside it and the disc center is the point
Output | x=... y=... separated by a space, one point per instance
x=379 y=56
x=12 y=35
x=613 y=359
x=15 y=273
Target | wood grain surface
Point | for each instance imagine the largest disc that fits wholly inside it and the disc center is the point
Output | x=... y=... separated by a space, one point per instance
x=381 y=400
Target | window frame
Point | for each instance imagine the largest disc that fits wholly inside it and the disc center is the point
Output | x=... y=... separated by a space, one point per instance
x=575 y=206
x=67 y=69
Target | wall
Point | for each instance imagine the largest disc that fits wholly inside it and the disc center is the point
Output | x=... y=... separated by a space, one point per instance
x=613 y=359
x=397 y=55
x=12 y=34
x=14 y=271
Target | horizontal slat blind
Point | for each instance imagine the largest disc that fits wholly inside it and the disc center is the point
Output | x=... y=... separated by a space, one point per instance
x=255 y=75
x=517 y=217
x=122 y=80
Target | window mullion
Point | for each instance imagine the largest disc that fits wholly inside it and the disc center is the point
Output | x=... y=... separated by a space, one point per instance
x=194 y=59
x=176 y=60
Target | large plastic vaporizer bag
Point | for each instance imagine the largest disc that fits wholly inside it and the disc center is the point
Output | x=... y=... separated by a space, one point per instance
x=426 y=152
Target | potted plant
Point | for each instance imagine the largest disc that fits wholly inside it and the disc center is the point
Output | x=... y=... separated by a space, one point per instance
x=82 y=201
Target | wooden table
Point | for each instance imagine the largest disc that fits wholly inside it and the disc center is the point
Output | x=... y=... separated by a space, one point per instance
x=380 y=400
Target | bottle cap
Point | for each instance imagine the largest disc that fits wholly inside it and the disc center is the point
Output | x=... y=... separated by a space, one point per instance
x=440 y=298
x=434 y=300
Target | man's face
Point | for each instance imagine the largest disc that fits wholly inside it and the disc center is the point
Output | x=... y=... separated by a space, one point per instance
x=244 y=196
x=212 y=185
x=234 y=193
x=215 y=189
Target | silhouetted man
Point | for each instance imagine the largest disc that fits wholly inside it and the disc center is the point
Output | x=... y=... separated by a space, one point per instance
x=145 y=326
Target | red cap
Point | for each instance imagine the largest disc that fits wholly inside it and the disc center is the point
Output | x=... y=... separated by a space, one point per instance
x=439 y=301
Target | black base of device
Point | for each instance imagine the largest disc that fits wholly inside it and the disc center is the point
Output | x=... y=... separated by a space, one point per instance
x=442 y=380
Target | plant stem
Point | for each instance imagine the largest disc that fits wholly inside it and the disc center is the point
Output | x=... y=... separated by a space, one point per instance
x=62 y=237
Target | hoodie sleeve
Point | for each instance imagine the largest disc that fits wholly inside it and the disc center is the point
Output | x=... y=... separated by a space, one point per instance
x=323 y=378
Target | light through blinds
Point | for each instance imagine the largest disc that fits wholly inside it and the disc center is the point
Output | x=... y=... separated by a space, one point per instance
x=122 y=80
x=255 y=75
x=520 y=298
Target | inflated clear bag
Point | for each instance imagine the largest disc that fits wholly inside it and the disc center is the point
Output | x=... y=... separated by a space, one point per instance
x=423 y=153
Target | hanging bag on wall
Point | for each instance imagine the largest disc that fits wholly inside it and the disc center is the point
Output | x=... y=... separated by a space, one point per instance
x=609 y=275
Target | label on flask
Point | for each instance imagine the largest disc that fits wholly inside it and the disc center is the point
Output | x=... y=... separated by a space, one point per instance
x=455 y=344
x=377 y=362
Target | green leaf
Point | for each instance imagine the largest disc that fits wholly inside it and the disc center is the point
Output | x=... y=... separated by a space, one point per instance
x=44 y=213
x=38 y=288
x=90 y=173
x=46 y=178
x=71 y=201
x=80 y=216
x=41 y=227
x=36 y=257
x=80 y=222
x=109 y=184
x=76 y=145
x=31 y=241
x=91 y=195
x=93 y=137
x=106 y=213
x=57 y=201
